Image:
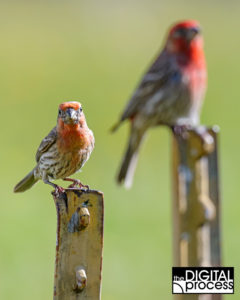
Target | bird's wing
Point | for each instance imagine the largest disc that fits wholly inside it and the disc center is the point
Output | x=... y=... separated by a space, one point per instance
x=46 y=143
x=157 y=79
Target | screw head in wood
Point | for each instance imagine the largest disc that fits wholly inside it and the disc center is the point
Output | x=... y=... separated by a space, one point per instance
x=84 y=217
x=81 y=280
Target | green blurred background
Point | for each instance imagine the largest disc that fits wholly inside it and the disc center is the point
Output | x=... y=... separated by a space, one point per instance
x=95 y=52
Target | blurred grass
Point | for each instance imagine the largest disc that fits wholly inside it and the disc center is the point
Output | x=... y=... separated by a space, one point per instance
x=95 y=51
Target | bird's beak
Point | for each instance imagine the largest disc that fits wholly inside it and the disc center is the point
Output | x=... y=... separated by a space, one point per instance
x=71 y=115
x=192 y=32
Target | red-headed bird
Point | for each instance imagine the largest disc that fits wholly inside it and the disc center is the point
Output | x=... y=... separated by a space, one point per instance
x=63 y=151
x=170 y=93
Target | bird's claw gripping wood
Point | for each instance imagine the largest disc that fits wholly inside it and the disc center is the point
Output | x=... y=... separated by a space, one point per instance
x=201 y=136
x=181 y=130
x=77 y=183
x=59 y=192
x=206 y=138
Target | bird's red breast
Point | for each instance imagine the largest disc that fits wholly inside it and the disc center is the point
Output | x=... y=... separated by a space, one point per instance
x=189 y=55
x=72 y=136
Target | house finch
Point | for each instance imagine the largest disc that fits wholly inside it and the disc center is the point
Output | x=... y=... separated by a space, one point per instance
x=63 y=151
x=170 y=93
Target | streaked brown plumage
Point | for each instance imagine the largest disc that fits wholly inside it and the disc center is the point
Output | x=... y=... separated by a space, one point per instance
x=170 y=93
x=64 y=150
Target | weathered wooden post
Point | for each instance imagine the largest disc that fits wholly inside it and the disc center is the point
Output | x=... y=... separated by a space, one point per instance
x=196 y=207
x=79 y=245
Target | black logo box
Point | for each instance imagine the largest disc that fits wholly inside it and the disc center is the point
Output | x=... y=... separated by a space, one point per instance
x=181 y=271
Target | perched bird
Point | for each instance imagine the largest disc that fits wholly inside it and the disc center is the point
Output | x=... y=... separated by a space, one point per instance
x=63 y=151
x=170 y=93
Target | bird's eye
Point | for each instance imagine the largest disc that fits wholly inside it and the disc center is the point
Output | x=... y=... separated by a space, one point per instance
x=179 y=33
x=80 y=109
x=59 y=112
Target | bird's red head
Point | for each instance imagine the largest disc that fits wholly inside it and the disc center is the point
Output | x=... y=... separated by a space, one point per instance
x=71 y=104
x=185 y=38
x=70 y=112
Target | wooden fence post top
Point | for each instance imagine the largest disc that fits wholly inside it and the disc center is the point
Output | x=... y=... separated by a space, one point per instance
x=196 y=202
x=79 y=245
x=200 y=140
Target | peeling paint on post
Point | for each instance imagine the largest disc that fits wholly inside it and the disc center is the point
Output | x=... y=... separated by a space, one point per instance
x=196 y=207
x=78 y=265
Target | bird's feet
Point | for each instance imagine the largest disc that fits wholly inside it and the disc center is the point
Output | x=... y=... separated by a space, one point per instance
x=206 y=139
x=59 y=192
x=76 y=183
x=181 y=130
x=199 y=132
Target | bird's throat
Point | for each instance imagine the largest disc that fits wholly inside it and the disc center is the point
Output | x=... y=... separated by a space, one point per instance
x=71 y=136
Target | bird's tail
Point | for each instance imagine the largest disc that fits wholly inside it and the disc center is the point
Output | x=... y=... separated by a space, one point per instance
x=115 y=127
x=25 y=184
x=130 y=159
